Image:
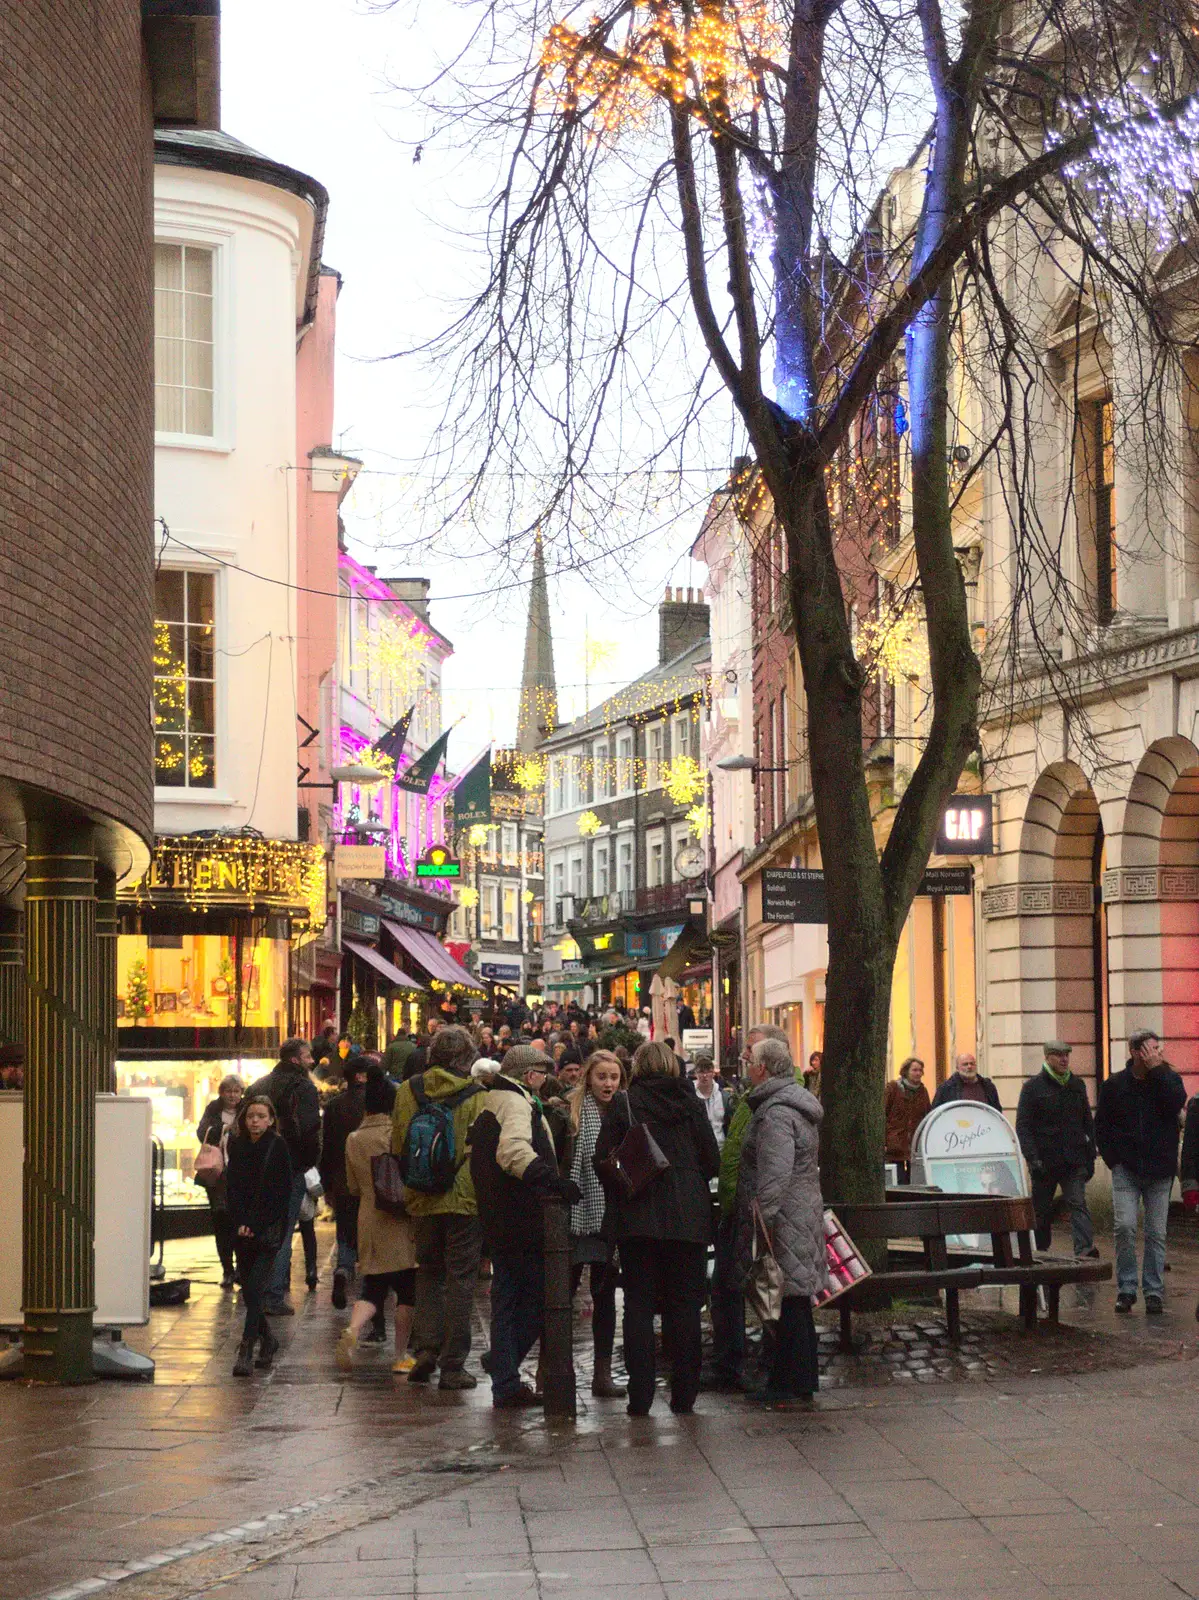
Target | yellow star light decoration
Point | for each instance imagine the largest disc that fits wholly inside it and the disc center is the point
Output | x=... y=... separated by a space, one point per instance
x=589 y=824
x=529 y=773
x=528 y=896
x=683 y=780
x=699 y=820
x=477 y=836
x=468 y=897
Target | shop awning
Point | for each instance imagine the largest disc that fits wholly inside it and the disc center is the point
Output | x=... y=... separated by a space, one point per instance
x=401 y=980
x=432 y=955
x=690 y=949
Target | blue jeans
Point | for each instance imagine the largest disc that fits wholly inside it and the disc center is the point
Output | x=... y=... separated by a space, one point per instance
x=280 y=1280
x=1127 y=1190
x=517 y=1316
x=345 y=1212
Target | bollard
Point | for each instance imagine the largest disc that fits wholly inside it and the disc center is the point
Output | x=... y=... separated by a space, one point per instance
x=558 y=1367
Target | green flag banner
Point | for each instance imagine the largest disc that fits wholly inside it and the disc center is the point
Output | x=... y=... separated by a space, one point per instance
x=418 y=776
x=472 y=797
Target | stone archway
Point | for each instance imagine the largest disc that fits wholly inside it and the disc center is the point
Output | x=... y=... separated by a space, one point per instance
x=1153 y=904
x=1042 y=974
x=1061 y=975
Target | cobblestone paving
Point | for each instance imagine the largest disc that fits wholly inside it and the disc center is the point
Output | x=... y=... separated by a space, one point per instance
x=999 y=1481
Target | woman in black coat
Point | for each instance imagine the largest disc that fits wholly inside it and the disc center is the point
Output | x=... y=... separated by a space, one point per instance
x=259 y=1186
x=664 y=1232
x=216 y=1127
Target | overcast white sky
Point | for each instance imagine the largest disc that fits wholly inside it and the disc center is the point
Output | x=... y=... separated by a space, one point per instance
x=306 y=81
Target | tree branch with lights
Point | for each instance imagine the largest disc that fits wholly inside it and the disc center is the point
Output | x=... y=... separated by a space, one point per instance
x=675 y=167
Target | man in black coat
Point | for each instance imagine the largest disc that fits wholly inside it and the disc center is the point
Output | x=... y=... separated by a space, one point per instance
x=340 y=1118
x=1136 y=1129
x=298 y=1110
x=967 y=1083
x=1057 y=1135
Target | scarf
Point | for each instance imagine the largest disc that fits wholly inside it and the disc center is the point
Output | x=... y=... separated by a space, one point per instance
x=1058 y=1077
x=587 y=1217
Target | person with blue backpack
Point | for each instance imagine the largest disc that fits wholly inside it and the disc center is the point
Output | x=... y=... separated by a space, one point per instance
x=431 y=1122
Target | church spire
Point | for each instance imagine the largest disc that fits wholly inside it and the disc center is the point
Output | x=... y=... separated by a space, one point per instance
x=538 y=687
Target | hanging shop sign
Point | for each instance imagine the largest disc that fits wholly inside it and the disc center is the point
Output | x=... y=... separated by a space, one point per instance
x=793 y=894
x=438 y=863
x=238 y=871
x=797 y=894
x=967 y=826
x=359 y=862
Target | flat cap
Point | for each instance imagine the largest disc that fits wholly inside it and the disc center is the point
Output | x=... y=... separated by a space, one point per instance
x=1055 y=1047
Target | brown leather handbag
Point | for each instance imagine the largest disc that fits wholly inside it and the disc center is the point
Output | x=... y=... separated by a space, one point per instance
x=387 y=1181
x=635 y=1163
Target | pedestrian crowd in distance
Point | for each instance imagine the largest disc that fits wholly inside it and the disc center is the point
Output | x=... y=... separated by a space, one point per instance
x=437 y=1157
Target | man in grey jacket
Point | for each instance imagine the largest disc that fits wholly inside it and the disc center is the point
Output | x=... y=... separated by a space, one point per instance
x=778 y=1188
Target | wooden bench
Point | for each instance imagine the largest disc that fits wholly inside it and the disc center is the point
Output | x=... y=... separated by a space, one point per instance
x=934 y=1219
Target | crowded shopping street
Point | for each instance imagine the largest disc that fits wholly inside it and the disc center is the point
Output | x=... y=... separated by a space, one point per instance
x=599 y=799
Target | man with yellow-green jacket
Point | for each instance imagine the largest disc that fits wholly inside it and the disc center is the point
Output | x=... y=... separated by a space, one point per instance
x=430 y=1136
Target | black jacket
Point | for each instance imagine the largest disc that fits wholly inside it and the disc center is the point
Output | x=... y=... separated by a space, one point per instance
x=259 y=1180
x=298 y=1109
x=678 y=1203
x=954 y=1089
x=212 y=1124
x=339 y=1119
x=512 y=1164
x=1136 y=1121
x=1054 y=1125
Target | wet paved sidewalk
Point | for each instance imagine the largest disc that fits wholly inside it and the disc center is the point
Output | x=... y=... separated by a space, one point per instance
x=1011 y=1485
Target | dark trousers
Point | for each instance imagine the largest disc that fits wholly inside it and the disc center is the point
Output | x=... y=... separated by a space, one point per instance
x=225 y=1235
x=603 y=1275
x=728 y=1306
x=669 y=1272
x=307 y=1227
x=280 y=1280
x=1073 y=1185
x=795 y=1369
x=447 y=1266
x=254 y=1267
x=517 y=1315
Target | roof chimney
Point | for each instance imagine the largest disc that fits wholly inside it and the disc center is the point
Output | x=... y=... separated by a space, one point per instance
x=682 y=623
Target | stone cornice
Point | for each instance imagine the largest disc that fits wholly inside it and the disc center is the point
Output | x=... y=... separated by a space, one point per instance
x=1038 y=900
x=1150 y=883
x=1105 y=670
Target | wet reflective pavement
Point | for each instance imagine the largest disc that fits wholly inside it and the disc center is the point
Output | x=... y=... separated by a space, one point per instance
x=1023 y=1486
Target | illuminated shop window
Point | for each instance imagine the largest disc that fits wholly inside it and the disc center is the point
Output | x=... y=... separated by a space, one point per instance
x=185 y=680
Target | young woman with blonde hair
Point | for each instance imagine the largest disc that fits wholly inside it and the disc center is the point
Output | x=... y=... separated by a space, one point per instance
x=603 y=1077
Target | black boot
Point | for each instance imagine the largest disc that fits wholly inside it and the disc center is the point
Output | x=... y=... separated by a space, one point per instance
x=244 y=1365
x=267 y=1345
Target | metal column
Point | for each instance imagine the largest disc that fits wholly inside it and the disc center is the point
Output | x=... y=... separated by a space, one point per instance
x=61 y=1053
x=12 y=978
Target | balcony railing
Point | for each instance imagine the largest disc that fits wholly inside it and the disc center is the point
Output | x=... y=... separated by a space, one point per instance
x=662 y=897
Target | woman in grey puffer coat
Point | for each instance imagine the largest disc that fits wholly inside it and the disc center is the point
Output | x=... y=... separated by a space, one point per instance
x=780 y=1170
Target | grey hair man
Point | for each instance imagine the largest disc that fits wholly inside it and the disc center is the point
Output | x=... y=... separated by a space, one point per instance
x=778 y=1187
x=728 y=1303
x=966 y=1082
x=770 y=1058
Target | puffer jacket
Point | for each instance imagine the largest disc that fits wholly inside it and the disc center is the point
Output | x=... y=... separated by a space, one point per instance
x=780 y=1170
x=678 y=1203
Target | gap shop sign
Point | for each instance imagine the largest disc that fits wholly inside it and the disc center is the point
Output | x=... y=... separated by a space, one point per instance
x=967 y=826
